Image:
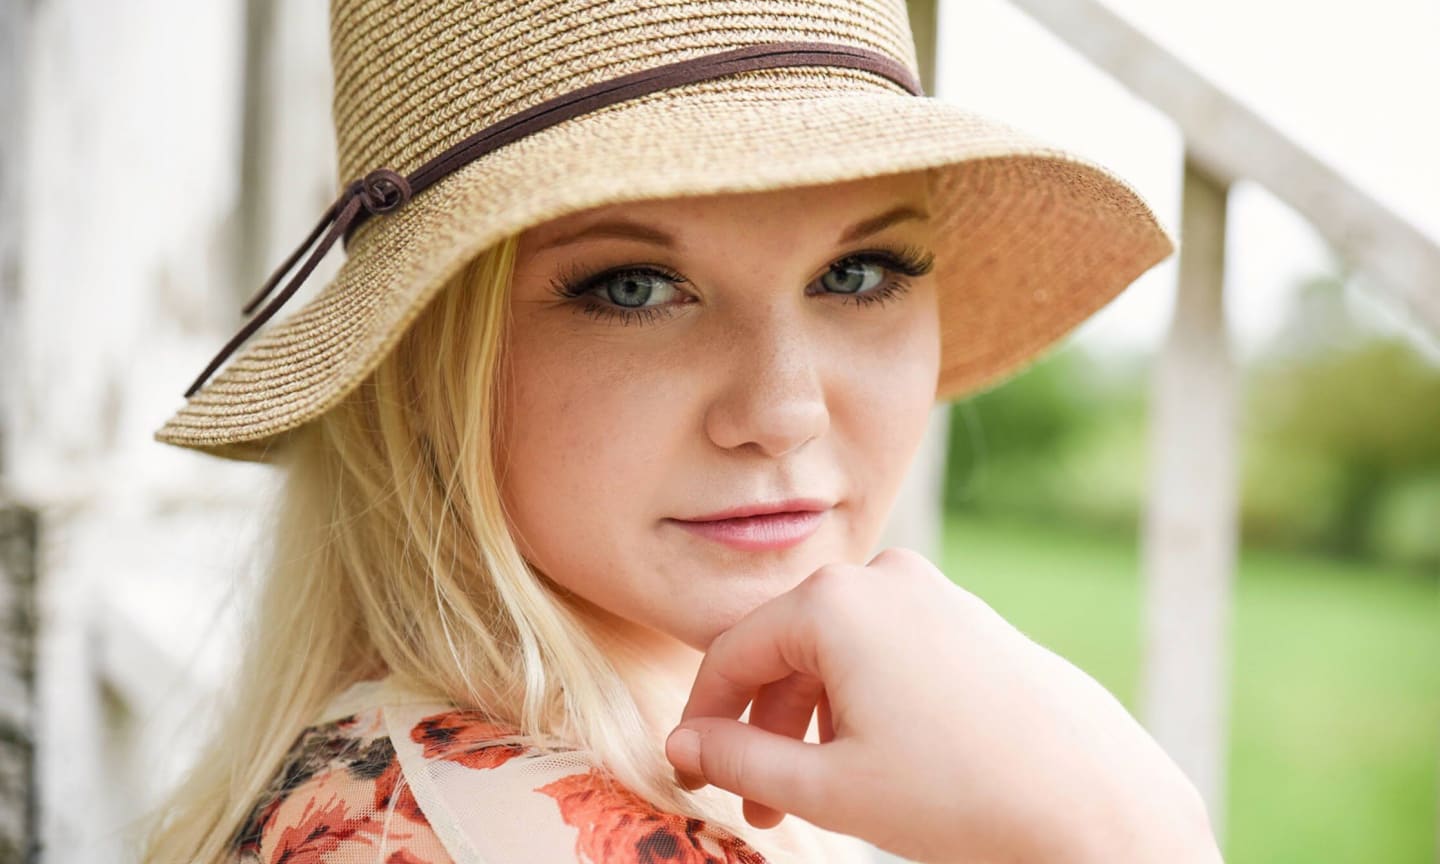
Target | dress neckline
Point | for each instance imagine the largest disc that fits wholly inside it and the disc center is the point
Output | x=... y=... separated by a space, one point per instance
x=372 y=693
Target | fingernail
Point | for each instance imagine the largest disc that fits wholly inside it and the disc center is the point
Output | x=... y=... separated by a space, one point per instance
x=683 y=750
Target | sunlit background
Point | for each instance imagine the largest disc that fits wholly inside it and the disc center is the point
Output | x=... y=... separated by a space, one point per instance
x=1332 y=735
x=158 y=158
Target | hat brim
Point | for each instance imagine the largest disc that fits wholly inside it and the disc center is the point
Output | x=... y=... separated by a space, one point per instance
x=1031 y=239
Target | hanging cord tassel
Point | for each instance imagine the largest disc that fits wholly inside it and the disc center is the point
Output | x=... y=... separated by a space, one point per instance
x=380 y=191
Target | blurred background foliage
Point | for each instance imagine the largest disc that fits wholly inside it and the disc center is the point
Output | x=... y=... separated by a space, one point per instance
x=1334 y=698
x=1340 y=442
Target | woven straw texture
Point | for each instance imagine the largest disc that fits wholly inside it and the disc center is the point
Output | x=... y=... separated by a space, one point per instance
x=1031 y=239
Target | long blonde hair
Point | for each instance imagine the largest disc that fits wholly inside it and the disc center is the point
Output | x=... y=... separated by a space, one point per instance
x=392 y=553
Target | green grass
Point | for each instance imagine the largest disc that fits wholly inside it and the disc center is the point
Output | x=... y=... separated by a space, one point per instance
x=1335 y=712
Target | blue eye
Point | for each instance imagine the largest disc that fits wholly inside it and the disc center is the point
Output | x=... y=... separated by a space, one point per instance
x=633 y=289
x=623 y=294
x=852 y=278
x=848 y=276
x=646 y=293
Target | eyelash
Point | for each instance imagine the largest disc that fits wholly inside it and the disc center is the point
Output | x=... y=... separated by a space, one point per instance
x=577 y=285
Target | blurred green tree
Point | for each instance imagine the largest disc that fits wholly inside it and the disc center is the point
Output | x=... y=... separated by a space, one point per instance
x=1340 y=440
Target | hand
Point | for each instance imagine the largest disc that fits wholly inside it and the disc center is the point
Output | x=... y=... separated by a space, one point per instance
x=945 y=733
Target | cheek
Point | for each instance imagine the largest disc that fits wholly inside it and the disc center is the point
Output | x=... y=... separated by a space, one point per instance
x=580 y=444
x=884 y=407
x=891 y=387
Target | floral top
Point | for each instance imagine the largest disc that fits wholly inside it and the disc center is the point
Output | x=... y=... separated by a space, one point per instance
x=393 y=777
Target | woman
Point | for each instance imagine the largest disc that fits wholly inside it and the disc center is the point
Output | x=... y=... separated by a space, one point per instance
x=595 y=432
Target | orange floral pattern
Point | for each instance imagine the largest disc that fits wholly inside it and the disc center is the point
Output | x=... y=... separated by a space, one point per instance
x=320 y=832
x=619 y=827
x=331 y=802
x=341 y=796
x=385 y=785
x=467 y=737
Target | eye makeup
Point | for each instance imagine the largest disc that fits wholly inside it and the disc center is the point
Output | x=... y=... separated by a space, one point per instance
x=584 y=289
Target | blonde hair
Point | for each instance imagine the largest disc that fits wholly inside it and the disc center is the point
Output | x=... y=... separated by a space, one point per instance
x=393 y=553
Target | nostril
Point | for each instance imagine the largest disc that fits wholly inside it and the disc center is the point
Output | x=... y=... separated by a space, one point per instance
x=769 y=423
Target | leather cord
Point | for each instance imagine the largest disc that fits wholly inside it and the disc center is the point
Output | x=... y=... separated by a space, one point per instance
x=384 y=191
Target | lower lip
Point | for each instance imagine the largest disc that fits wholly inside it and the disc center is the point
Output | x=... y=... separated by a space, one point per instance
x=759 y=533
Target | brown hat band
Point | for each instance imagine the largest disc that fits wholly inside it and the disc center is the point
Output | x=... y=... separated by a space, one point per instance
x=384 y=190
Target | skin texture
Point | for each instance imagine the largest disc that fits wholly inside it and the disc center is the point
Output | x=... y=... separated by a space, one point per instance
x=944 y=734
x=747 y=386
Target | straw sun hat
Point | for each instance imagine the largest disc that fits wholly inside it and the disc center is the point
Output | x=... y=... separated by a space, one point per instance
x=460 y=123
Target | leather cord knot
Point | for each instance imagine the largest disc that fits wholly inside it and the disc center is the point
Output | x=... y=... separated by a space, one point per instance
x=382 y=190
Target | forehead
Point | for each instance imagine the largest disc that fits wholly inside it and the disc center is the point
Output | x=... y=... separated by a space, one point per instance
x=832 y=205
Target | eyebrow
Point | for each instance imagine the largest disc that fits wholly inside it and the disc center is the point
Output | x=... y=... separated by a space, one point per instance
x=624 y=229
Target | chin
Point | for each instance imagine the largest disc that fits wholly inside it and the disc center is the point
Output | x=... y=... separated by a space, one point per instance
x=720 y=614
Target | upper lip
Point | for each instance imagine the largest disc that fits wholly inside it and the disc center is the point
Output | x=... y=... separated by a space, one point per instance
x=791 y=505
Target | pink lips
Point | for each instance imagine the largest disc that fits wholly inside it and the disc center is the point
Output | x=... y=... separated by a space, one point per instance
x=760 y=527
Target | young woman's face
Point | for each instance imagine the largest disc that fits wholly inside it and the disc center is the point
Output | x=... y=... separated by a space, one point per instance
x=674 y=360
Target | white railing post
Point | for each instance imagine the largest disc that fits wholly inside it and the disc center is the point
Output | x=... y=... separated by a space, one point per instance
x=1189 y=532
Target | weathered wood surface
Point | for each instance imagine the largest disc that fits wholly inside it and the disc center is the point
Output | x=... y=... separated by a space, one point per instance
x=137 y=259
x=19 y=810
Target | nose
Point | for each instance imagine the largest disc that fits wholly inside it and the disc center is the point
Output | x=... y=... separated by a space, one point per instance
x=772 y=399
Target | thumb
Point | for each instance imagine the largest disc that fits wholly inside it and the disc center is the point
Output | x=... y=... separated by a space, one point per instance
x=758 y=765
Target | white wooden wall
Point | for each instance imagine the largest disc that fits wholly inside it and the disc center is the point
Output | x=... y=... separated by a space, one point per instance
x=18 y=808
x=133 y=233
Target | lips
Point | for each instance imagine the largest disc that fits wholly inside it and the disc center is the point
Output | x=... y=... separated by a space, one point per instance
x=760 y=527
x=791 y=505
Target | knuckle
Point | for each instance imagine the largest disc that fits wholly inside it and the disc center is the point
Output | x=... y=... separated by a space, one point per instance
x=824 y=577
x=794 y=695
x=903 y=559
x=912 y=569
x=720 y=643
x=807 y=690
x=832 y=588
x=892 y=554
